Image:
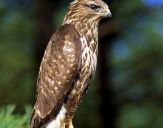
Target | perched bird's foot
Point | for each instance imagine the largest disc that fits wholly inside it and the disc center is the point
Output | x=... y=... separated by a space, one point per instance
x=69 y=125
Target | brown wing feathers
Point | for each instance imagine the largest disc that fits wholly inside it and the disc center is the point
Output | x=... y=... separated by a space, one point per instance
x=59 y=69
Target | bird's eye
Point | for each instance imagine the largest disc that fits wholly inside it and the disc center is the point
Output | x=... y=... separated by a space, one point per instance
x=94 y=7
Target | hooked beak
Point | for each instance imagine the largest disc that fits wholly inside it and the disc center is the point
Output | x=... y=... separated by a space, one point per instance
x=108 y=13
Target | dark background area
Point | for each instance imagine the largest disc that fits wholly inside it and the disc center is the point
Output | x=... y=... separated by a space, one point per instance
x=127 y=91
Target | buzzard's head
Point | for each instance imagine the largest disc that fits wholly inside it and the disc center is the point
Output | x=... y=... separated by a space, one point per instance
x=88 y=10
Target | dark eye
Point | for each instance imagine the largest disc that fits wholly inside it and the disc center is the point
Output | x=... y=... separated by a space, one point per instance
x=94 y=7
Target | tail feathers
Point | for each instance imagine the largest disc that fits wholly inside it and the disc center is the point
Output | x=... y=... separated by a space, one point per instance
x=36 y=121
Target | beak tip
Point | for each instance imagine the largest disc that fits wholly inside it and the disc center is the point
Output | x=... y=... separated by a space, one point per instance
x=109 y=14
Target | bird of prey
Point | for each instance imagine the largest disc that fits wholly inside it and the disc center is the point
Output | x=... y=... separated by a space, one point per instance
x=68 y=65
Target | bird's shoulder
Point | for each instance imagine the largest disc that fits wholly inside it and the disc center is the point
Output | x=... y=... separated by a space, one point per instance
x=66 y=32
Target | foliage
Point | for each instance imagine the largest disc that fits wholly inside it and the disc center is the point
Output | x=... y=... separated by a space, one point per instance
x=16 y=59
x=10 y=120
x=137 y=72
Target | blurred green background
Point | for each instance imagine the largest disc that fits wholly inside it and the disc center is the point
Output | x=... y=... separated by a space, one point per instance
x=127 y=91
